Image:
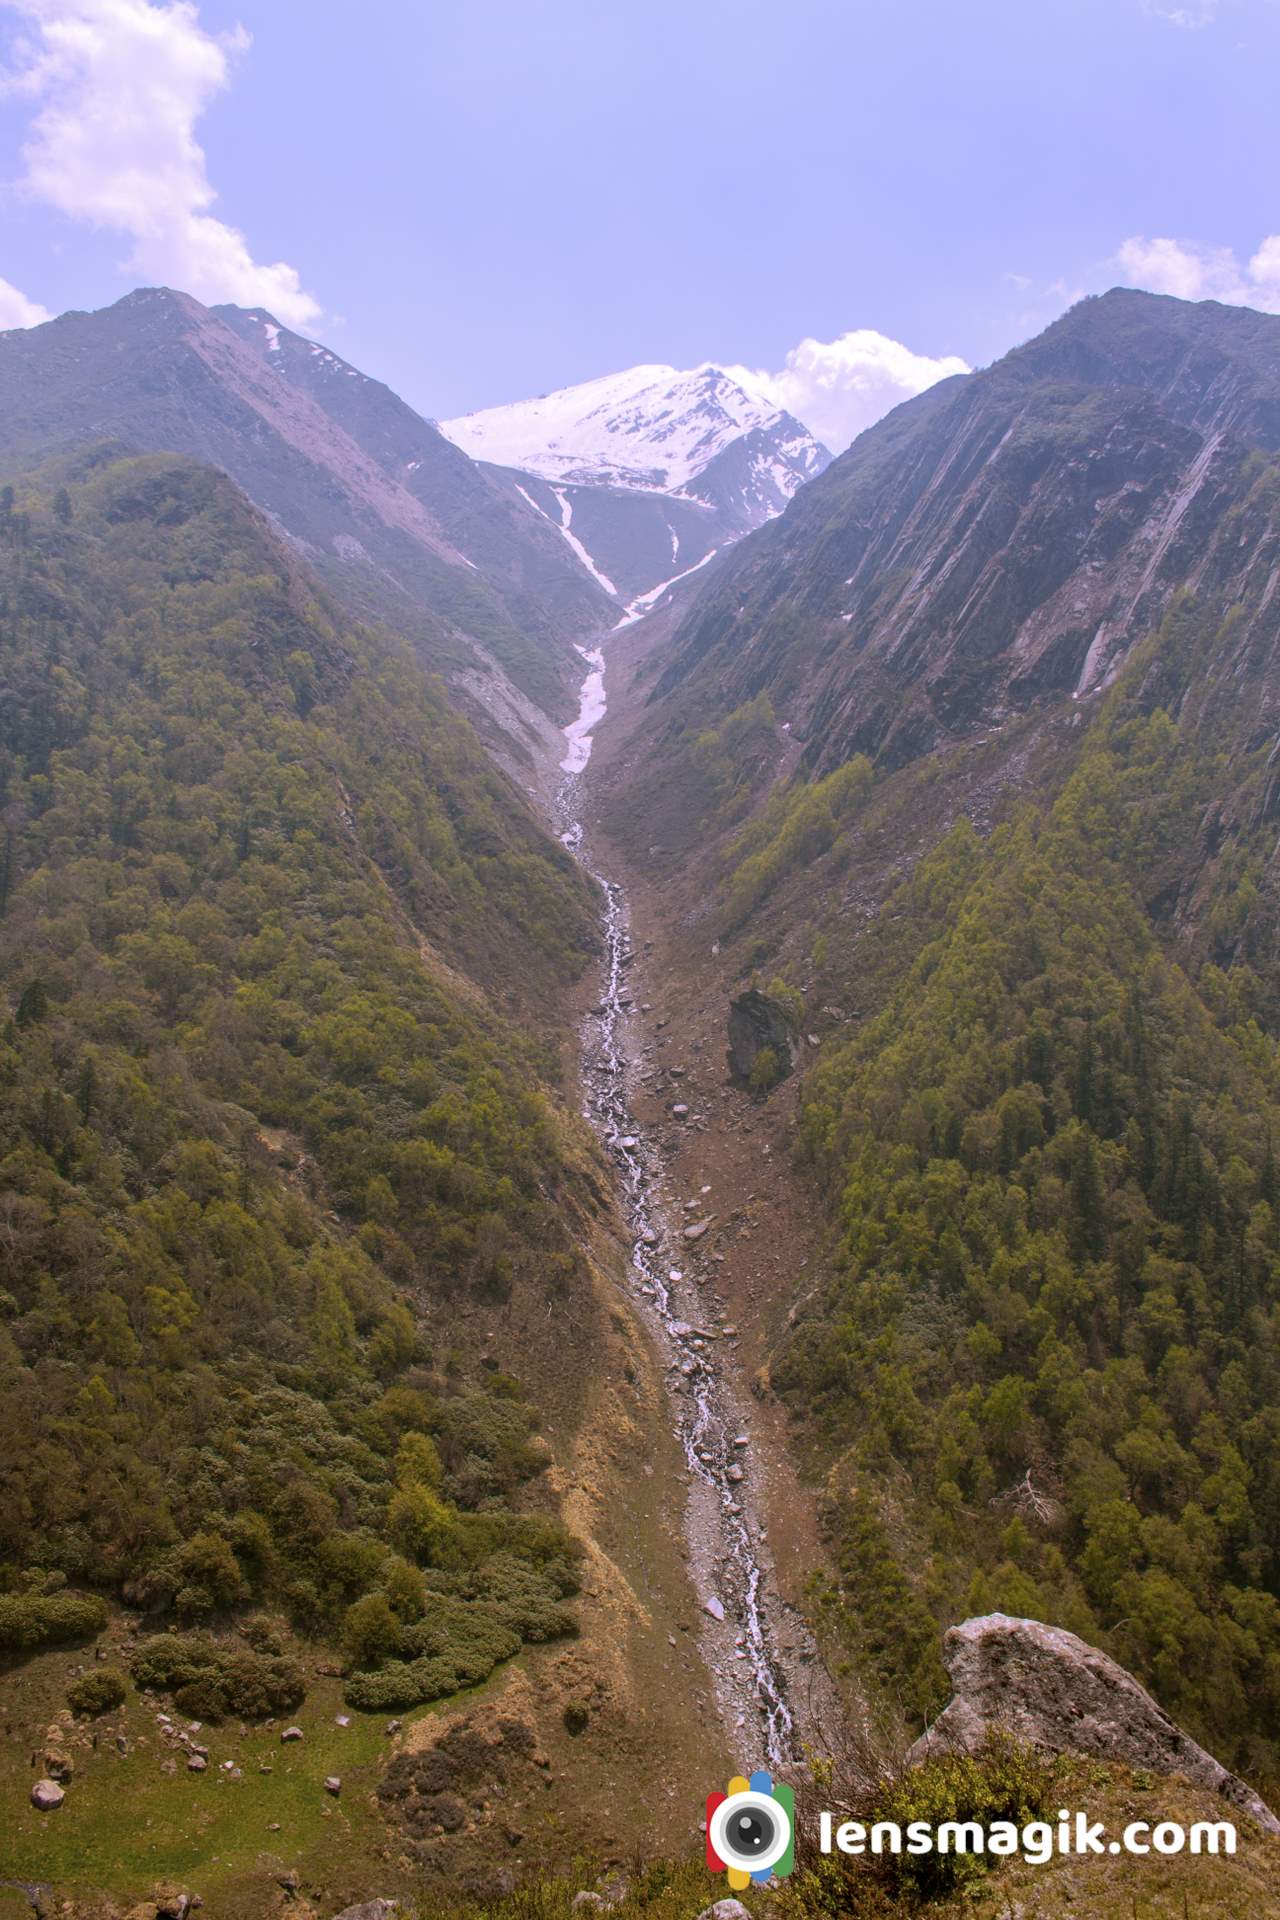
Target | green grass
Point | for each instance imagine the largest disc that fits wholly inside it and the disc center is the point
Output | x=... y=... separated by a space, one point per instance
x=126 y=1825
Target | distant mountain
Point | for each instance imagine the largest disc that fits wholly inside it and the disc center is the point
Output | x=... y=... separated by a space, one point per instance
x=647 y=473
x=1008 y=536
x=398 y=522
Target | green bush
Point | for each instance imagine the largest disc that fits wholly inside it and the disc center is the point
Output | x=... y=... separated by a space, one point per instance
x=371 y=1633
x=456 y=1644
x=766 y=1070
x=97 y=1691
x=30 y=1620
x=527 y=1599
x=402 y=1684
x=1003 y=1781
x=211 y=1680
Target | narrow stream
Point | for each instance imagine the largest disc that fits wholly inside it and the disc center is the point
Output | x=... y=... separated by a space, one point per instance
x=728 y=1550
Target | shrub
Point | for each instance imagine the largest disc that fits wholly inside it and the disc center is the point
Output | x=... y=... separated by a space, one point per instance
x=97 y=1691
x=210 y=1680
x=1003 y=1781
x=527 y=1599
x=766 y=1071
x=30 y=1620
x=371 y=1632
x=401 y=1684
x=455 y=1645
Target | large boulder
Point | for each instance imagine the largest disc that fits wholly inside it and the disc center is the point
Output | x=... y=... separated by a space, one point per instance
x=758 y=1023
x=1043 y=1686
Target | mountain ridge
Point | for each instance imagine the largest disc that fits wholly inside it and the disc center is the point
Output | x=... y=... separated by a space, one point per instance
x=1002 y=538
x=653 y=471
x=374 y=497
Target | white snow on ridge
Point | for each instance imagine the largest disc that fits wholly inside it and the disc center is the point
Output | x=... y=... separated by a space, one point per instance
x=646 y=602
x=566 y=522
x=563 y=526
x=652 y=427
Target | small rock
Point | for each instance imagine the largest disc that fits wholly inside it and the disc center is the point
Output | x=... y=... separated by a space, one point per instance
x=725 y=1910
x=370 y=1910
x=714 y=1607
x=172 y=1905
x=696 y=1231
x=47 y=1796
x=291 y=1733
x=333 y=1785
x=197 y=1763
x=394 y=1726
x=588 y=1903
x=680 y=1111
x=342 y=1720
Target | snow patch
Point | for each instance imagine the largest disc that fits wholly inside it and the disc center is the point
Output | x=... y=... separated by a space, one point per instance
x=566 y=523
x=591 y=711
x=645 y=602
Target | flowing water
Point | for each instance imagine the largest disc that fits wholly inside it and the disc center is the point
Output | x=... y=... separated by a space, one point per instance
x=728 y=1550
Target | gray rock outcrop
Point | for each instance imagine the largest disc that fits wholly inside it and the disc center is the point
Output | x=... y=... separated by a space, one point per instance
x=757 y=1022
x=1045 y=1687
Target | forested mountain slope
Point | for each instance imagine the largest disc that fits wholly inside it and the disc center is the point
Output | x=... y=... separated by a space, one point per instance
x=1032 y=931
x=1046 y=1349
x=398 y=522
x=278 y=952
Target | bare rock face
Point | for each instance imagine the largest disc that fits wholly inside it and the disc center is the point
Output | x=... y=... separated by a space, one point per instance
x=755 y=1023
x=1043 y=1686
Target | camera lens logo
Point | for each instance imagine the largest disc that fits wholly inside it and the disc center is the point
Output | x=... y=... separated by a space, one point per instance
x=751 y=1830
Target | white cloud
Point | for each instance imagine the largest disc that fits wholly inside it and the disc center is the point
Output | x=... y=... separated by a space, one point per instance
x=17 y=311
x=1195 y=272
x=838 y=387
x=1202 y=13
x=120 y=85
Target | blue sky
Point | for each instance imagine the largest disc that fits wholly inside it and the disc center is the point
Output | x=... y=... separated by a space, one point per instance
x=478 y=201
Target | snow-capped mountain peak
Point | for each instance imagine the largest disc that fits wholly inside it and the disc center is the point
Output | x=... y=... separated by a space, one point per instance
x=646 y=475
x=652 y=427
